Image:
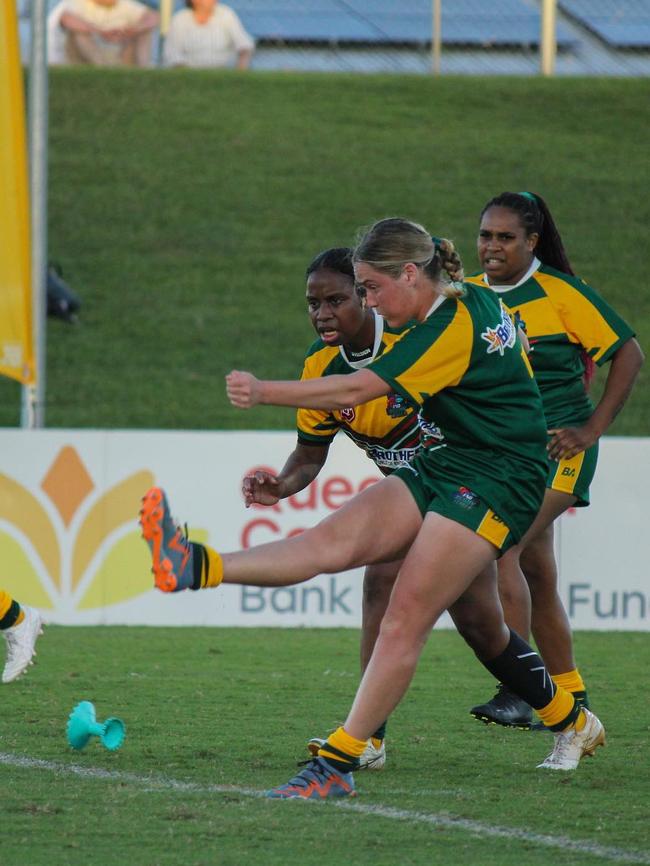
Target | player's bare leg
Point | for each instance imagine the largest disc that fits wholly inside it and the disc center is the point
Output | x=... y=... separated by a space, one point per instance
x=377 y=525
x=440 y=565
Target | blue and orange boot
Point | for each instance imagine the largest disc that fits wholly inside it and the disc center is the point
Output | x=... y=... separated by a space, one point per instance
x=172 y=559
x=318 y=780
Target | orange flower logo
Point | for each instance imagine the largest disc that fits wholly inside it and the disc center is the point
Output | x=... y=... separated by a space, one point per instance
x=69 y=547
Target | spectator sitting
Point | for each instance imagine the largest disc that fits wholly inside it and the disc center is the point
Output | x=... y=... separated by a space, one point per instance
x=104 y=32
x=207 y=34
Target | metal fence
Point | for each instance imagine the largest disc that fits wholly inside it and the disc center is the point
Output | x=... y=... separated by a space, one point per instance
x=515 y=37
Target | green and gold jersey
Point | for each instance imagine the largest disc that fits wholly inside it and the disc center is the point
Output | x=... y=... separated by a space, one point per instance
x=386 y=428
x=481 y=410
x=562 y=317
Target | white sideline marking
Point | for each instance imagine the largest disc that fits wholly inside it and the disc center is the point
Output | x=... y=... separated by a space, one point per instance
x=476 y=828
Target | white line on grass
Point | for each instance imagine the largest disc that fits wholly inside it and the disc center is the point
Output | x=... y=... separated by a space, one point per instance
x=476 y=828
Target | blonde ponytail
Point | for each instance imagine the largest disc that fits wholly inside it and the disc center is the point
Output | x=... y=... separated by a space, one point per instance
x=451 y=263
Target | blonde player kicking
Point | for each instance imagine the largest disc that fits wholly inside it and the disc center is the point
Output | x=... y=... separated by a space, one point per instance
x=350 y=337
x=451 y=513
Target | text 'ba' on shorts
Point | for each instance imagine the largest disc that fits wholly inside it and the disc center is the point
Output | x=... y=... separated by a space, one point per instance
x=574 y=476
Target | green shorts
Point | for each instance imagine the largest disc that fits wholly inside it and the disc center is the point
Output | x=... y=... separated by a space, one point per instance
x=575 y=475
x=451 y=498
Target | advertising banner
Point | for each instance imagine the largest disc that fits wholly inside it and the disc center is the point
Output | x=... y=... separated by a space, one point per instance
x=16 y=349
x=70 y=542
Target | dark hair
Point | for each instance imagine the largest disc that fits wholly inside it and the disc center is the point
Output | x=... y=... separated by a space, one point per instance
x=337 y=259
x=535 y=217
x=390 y=243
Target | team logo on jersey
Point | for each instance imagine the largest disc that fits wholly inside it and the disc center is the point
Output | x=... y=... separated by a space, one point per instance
x=430 y=433
x=502 y=337
x=465 y=498
x=348 y=414
x=519 y=322
x=396 y=406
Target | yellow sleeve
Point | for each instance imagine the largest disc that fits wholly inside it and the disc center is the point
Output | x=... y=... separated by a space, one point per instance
x=434 y=355
x=586 y=317
x=315 y=425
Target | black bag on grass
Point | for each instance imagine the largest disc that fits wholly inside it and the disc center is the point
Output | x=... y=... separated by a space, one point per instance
x=62 y=302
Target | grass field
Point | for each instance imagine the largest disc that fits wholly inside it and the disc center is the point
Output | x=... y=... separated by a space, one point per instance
x=184 y=207
x=215 y=716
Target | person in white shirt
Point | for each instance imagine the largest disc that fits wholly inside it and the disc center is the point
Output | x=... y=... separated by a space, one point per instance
x=104 y=32
x=207 y=34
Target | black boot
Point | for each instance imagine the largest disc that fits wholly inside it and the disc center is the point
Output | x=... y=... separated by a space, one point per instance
x=506 y=709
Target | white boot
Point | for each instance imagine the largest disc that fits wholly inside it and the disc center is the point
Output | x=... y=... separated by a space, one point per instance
x=21 y=642
x=571 y=745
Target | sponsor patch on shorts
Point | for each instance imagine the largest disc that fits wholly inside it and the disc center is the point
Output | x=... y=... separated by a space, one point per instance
x=567 y=473
x=493 y=529
x=465 y=498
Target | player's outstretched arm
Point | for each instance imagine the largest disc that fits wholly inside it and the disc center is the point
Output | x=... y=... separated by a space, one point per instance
x=329 y=392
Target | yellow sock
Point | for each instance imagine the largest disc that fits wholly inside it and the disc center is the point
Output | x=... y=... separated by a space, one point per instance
x=558 y=710
x=5 y=603
x=215 y=568
x=211 y=565
x=581 y=721
x=11 y=613
x=341 y=747
x=376 y=742
x=571 y=681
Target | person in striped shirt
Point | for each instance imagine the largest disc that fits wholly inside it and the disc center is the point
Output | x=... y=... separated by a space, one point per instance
x=103 y=32
x=207 y=34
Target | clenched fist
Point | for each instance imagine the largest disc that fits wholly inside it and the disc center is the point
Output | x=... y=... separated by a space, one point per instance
x=243 y=389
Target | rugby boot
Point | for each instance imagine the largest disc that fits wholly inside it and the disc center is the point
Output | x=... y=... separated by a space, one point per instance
x=21 y=644
x=571 y=745
x=172 y=560
x=506 y=708
x=317 y=780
